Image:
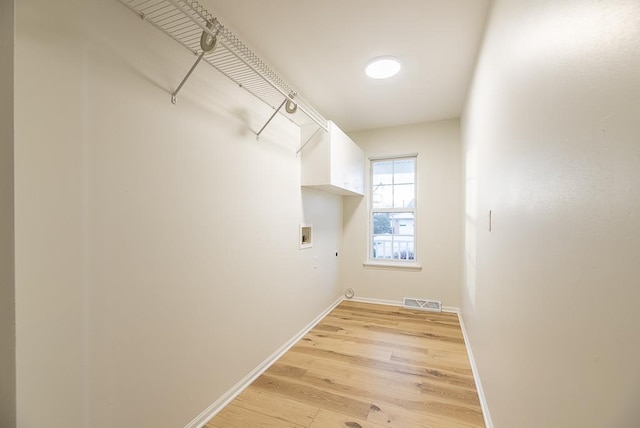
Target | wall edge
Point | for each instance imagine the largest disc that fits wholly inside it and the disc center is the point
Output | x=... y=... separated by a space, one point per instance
x=476 y=376
x=235 y=390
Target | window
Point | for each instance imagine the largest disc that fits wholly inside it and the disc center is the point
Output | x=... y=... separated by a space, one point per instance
x=393 y=210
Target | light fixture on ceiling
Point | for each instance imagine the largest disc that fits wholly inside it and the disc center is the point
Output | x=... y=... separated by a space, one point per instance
x=383 y=67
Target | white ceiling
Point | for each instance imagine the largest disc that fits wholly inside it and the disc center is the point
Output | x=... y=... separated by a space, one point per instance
x=322 y=47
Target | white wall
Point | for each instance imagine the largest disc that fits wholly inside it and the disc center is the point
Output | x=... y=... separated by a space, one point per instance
x=157 y=258
x=552 y=144
x=7 y=278
x=438 y=223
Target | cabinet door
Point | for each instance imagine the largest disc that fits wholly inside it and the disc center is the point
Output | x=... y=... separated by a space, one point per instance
x=331 y=161
x=347 y=162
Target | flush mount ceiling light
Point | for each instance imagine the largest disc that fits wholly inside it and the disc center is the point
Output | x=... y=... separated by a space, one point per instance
x=383 y=67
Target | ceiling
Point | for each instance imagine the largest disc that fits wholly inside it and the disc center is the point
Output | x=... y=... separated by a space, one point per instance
x=322 y=47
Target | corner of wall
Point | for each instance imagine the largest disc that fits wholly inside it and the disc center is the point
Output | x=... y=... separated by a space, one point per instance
x=7 y=234
x=476 y=375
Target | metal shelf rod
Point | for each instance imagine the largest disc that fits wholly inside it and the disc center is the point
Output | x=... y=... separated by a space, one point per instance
x=184 y=79
x=270 y=119
x=255 y=70
x=183 y=21
x=211 y=33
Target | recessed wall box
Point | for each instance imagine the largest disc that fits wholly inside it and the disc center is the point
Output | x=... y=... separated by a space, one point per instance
x=306 y=236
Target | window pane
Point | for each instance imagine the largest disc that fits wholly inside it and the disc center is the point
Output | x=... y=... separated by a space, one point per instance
x=401 y=223
x=382 y=196
x=382 y=173
x=403 y=248
x=403 y=196
x=382 y=247
x=393 y=188
x=404 y=171
x=393 y=247
x=382 y=224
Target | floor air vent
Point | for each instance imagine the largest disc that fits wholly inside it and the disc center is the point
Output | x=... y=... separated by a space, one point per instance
x=422 y=304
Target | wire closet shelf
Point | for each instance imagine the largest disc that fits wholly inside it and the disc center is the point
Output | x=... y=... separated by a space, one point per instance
x=191 y=25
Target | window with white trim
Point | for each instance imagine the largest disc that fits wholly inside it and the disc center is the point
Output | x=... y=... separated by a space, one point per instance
x=392 y=212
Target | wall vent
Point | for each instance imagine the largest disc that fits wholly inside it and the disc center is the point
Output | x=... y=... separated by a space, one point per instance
x=422 y=304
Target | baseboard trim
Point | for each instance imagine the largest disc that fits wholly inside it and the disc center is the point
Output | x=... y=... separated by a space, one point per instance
x=232 y=393
x=450 y=309
x=476 y=376
x=376 y=301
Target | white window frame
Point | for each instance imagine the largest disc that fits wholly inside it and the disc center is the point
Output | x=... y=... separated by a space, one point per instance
x=392 y=263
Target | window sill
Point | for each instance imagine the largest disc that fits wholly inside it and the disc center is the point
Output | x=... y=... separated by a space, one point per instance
x=392 y=266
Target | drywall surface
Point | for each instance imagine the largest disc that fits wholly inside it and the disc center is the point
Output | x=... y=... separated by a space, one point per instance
x=7 y=277
x=438 y=225
x=157 y=258
x=551 y=140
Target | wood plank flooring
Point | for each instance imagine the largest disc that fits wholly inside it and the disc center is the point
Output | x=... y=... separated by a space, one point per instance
x=365 y=366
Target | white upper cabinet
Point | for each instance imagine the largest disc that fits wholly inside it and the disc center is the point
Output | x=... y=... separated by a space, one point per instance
x=331 y=161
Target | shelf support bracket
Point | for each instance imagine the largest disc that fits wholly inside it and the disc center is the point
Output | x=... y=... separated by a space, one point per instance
x=309 y=139
x=184 y=20
x=271 y=118
x=174 y=94
x=208 y=44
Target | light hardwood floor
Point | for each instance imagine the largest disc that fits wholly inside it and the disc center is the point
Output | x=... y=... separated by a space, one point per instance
x=365 y=366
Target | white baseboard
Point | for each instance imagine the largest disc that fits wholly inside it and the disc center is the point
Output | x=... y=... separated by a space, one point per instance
x=232 y=393
x=476 y=376
x=451 y=309
x=376 y=301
